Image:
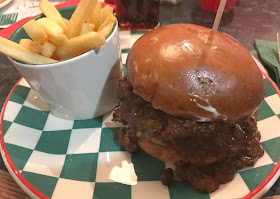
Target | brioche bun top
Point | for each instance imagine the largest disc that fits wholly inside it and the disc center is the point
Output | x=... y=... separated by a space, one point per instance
x=186 y=71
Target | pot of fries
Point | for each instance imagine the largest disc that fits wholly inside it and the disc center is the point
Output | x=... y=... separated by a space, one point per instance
x=70 y=57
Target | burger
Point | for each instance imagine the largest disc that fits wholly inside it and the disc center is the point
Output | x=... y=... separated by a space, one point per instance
x=191 y=97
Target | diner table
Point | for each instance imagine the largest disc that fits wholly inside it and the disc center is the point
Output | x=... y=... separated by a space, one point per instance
x=249 y=20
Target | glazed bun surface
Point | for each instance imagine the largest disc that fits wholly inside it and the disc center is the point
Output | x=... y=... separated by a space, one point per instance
x=184 y=72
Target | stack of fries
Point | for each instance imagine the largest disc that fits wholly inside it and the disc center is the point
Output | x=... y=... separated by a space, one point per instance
x=54 y=38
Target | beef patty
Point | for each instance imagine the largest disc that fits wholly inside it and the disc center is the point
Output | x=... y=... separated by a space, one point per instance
x=211 y=152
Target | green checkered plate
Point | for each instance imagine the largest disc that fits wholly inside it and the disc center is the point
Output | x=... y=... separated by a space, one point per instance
x=54 y=158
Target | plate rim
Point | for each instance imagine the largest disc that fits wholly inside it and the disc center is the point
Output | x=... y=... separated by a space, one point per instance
x=35 y=193
x=15 y=173
x=5 y=3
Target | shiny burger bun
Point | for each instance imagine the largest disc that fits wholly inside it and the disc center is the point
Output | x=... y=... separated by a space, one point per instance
x=185 y=71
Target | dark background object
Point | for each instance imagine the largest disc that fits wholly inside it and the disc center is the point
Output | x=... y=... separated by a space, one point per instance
x=137 y=14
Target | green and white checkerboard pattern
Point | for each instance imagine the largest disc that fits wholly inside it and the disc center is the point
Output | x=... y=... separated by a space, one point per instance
x=82 y=159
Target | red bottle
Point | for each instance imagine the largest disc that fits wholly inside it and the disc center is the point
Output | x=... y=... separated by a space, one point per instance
x=109 y=1
x=212 y=5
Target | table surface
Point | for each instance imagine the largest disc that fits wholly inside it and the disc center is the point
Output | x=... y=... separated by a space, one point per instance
x=250 y=20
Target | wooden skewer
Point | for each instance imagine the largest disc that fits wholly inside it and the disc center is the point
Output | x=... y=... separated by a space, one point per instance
x=219 y=16
x=278 y=45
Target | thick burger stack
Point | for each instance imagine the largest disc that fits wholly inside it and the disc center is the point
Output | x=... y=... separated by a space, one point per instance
x=191 y=97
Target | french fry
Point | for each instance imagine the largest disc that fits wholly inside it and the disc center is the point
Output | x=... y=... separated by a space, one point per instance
x=66 y=21
x=79 y=45
x=48 y=49
x=31 y=45
x=86 y=27
x=59 y=40
x=106 y=31
x=105 y=12
x=80 y=15
x=57 y=37
x=52 y=13
x=110 y=18
x=35 y=31
x=51 y=27
x=20 y=53
x=94 y=18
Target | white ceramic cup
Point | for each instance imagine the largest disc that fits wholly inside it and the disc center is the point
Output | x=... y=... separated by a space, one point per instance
x=80 y=88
